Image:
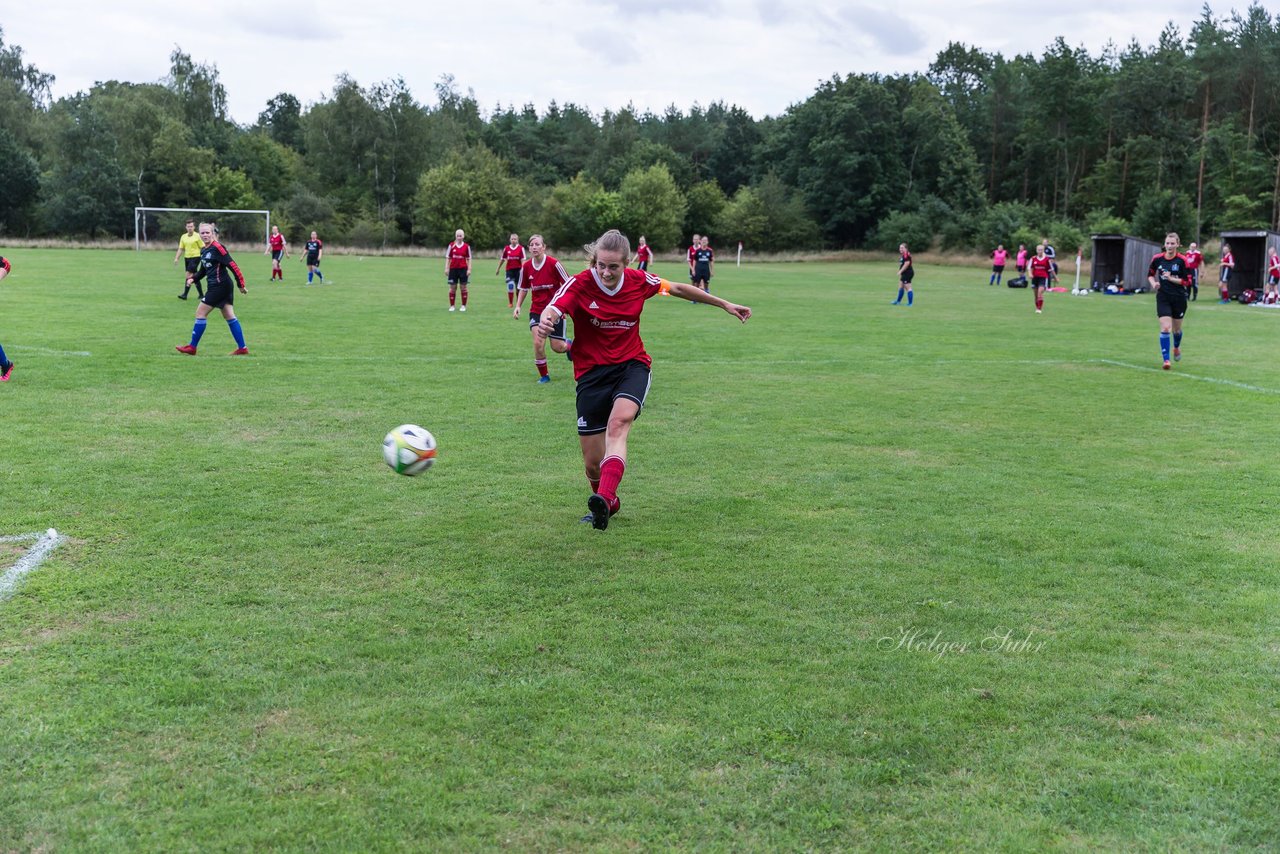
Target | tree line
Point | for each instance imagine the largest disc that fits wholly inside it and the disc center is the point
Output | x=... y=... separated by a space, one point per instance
x=1182 y=134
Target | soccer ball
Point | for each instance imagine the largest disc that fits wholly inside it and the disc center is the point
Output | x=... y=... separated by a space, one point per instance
x=409 y=450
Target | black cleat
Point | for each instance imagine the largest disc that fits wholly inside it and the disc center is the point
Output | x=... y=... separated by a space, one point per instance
x=182 y=296
x=599 y=511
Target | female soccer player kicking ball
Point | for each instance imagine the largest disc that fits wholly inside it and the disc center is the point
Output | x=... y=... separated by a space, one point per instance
x=609 y=360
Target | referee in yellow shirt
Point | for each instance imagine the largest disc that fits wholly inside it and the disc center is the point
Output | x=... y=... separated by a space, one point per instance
x=189 y=247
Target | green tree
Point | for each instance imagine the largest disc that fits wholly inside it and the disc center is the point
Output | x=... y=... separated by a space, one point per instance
x=282 y=121
x=20 y=180
x=578 y=211
x=473 y=190
x=651 y=204
x=88 y=186
x=706 y=203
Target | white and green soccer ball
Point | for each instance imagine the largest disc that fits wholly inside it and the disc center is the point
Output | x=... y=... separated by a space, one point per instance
x=409 y=450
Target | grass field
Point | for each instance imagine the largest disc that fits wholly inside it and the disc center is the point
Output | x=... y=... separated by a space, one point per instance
x=953 y=576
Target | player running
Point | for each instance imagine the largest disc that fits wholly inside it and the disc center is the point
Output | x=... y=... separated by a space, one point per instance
x=540 y=277
x=189 y=246
x=278 y=248
x=216 y=263
x=513 y=256
x=1167 y=276
x=6 y=367
x=609 y=360
x=457 y=268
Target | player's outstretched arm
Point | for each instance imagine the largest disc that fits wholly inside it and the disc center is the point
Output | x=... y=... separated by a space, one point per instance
x=689 y=292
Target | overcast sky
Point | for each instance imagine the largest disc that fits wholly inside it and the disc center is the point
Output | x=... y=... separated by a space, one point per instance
x=763 y=55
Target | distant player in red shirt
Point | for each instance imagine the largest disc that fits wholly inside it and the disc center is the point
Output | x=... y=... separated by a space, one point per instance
x=1194 y=259
x=1271 y=291
x=643 y=255
x=278 y=248
x=6 y=367
x=1226 y=266
x=540 y=277
x=693 y=247
x=609 y=360
x=457 y=268
x=513 y=257
x=1041 y=269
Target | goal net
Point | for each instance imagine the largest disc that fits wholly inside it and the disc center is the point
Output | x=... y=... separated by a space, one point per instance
x=163 y=226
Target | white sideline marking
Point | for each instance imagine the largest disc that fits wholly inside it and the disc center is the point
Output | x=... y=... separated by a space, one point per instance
x=26 y=564
x=1185 y=376
x=45 y=351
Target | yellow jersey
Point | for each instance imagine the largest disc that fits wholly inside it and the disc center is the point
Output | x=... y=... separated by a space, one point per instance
x=190 y=244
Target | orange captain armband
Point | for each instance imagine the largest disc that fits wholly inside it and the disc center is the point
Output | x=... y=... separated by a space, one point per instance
x=664 y=287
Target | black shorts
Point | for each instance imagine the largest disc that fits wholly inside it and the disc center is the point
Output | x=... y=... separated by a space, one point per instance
x=219 y=295
x=277 y=254
x=997 y=268
x=642 y=265
x=193 y=265
x=601 y=386
x=1225 y=275
x=906 y=275
x=557 y=333
x=513 y=279
x=313 y=261
x=1039 y=281
x=458 y=276
x=702 y=275
x=1171 y=301
x=1021 y=268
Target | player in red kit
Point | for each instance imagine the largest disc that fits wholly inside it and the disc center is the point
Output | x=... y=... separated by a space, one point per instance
x=457 y=268
x=609 y=360
x=1194 y=259
x=278 y=248
x=513 y=257
x=644 y=255
x=1041 y=269
x=540 y=277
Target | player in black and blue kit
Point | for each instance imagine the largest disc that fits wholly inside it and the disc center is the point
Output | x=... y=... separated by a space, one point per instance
x=6 y=367
x=221 y=275
x=1168 y=276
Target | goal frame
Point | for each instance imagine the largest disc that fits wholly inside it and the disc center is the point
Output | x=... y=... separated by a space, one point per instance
x=138 y=213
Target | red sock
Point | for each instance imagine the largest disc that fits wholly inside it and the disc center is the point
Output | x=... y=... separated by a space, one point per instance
x=464 y=297
x=452 y=297
x=1040 y=303
x=542 y=366
x=610 y=476
x=511 y=299
x=595 y=485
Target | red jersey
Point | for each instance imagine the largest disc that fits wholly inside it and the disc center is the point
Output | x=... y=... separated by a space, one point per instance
x=1040 y=268
x=606 y=325
x=643 y=255
x=513 y=255
x=542 y=282
x=459 y=255
x=1228 y=260
x=692 y=249
x=1194 y=258
x=1273 y=267
x=277 y=243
